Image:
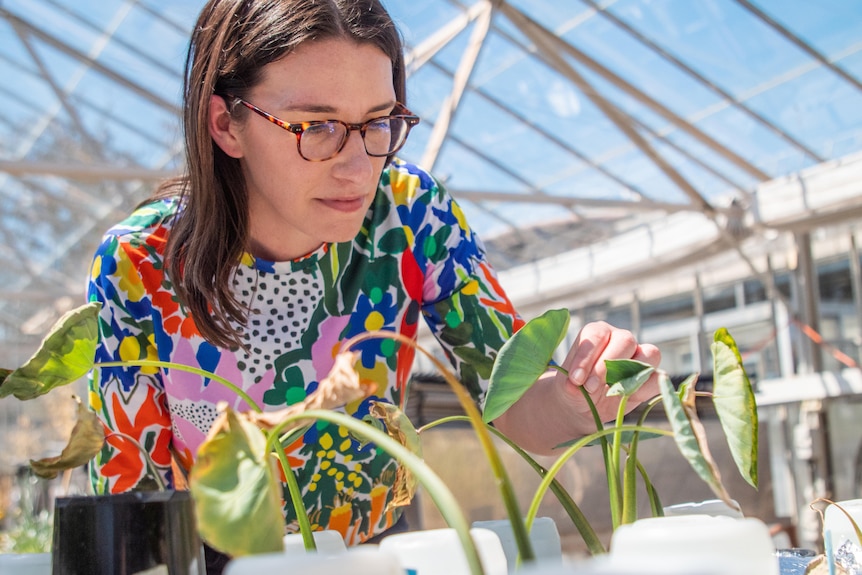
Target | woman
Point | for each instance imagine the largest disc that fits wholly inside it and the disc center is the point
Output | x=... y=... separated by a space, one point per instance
x=294 y=229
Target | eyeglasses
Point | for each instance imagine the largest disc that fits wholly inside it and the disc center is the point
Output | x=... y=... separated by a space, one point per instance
x=321 y=140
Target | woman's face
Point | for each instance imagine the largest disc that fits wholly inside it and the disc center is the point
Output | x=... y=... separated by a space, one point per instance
x=296 y=205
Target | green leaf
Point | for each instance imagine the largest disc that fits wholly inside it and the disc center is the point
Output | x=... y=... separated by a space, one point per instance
x=522 y=359
x=65 y=355
x=733 y=398
x=237 y=496
x=85 y=441
x=626 y=376
x=690 y=436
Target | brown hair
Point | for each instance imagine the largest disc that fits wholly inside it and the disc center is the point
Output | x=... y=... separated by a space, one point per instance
x=231 y=43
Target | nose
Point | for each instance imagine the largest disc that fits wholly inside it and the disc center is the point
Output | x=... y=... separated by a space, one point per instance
x=353 y=162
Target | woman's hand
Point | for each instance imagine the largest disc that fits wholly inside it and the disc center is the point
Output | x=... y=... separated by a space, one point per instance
x=585 y=363
x=555 y=411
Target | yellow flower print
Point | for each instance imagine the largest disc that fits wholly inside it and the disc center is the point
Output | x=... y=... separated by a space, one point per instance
x=326 y=441
x=130 y=280
x=408 y=231
x=471 y=288
x=374 y=321
x=378 y=374
x=95 y=401
x=459 y=215
x=403 y=186
x=130 y=350
x=96 y=270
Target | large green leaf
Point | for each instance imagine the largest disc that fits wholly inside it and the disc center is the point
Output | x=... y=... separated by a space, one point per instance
x=626 y=376
x=689 y=434
x=522 y=359
x=236 y=493
x=86 y=440
x=735 y=405
x=65 y=355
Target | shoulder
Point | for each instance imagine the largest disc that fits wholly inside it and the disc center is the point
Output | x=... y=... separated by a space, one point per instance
x=145 y=229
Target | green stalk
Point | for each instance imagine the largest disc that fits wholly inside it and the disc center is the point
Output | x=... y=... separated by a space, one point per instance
x=436 y=488
x=617 y=518
x=180 y=367
x=632 y=466
x=295 y=493
x=570 y=451
x=611 y=475
x=612 y=478
x=574 y=512
x=507 y=492
x=654 y=500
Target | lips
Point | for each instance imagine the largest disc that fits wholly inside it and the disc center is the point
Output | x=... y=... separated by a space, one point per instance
x=344 y=205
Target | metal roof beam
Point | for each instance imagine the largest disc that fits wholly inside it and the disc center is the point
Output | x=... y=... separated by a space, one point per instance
x=555 y=45
x=546 y=42
x=705 y=81
x=64 y=47
x=569 y=201
x=83 y=172
x=549 y=136
x=799 y=42
x=459 y=83
x=425 y=51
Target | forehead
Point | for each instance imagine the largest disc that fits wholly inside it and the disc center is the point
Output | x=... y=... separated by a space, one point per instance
x=328 y=72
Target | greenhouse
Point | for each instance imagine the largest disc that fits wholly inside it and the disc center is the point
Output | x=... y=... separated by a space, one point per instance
x=670 y=167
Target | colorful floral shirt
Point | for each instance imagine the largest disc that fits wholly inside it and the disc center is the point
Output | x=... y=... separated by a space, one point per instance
x=414 y=256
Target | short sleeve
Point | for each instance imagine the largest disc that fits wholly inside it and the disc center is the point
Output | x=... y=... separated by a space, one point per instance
x=129 y=400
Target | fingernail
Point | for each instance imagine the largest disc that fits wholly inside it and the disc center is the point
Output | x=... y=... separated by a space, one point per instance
x=592 y=384
x=578 y=376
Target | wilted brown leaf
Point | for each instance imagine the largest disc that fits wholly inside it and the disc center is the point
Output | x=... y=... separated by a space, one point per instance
x=85 y=441
x=400 y=428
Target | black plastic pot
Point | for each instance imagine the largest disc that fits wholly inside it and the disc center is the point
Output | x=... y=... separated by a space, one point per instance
x=126 y=533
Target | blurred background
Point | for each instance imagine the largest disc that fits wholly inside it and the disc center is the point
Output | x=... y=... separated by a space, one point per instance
x=670 y=166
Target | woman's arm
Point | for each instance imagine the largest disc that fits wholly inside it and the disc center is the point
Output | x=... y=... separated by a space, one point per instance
x=554 y=410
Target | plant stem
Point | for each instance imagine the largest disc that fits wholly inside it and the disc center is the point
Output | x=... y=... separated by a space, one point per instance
x=507 y=492
x=558 y=464
x=612 y=478
x=574 y=512
x=632 y=465
x=180 y=367
x=436 y=488
x=272 y=443
x=616 y=449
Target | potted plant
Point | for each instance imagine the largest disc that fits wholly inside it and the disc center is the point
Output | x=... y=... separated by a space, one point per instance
x=241 y=445
x=244 y=446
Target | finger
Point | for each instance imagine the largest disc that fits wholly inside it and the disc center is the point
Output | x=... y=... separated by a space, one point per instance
x=597 y=342
x=590 y=343
x=652 y=355
x=622 y=345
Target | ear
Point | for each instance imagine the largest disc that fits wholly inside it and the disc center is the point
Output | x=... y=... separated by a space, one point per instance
x=223 y=129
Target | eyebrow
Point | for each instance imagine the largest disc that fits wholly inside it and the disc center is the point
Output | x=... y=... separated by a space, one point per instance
x=324 y=109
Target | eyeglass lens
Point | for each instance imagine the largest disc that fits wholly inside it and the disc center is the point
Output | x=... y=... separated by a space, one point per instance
x=382 y=137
